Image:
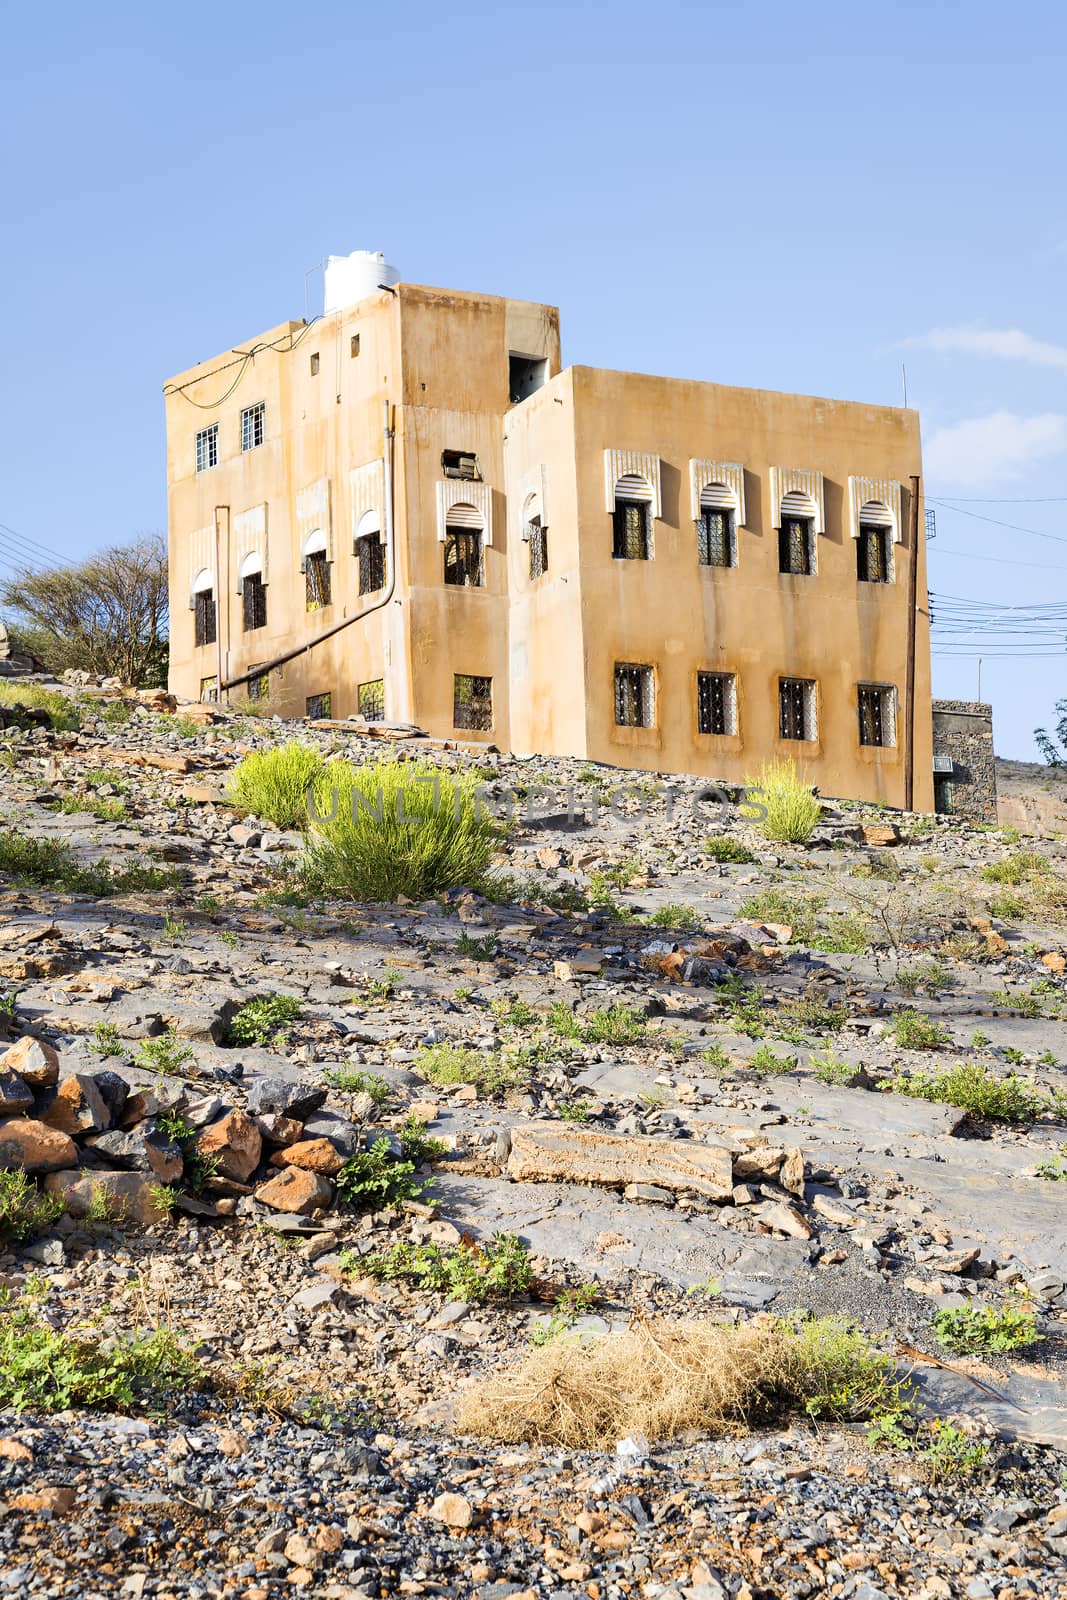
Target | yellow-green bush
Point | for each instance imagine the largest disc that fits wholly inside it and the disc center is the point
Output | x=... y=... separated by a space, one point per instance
x=791 y=809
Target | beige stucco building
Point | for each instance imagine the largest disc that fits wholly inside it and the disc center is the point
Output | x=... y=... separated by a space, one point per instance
x=406 y=510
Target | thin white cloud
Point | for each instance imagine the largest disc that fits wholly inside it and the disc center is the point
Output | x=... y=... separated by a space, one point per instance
x=1003 y=344
x=984 y=450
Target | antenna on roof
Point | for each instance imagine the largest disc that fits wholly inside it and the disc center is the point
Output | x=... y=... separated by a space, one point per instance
x=904 y=384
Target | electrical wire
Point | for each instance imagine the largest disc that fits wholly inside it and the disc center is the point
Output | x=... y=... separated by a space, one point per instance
x=1057 y=538
x=244 y=358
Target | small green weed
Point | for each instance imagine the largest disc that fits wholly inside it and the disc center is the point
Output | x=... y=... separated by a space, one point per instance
x=912 y=1031
x=498 y=1270
x=617 y=1024
x=374 y=1179
x=766 y=1064
x=23 y=1208
x=978 y=1091
x=162 y=1054
x=446 y=1064
x=352 y=1081
x=970 y=1330
x=568 y=1307
x=476 y=949
x=725 y=849
x=105 y=1040
x=265 y=1021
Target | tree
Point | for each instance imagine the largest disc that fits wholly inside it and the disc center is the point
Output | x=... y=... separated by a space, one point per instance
x=1054 y=753
x=107 y=615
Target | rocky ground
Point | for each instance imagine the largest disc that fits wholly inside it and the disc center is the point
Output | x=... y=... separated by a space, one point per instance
x=737 y=1143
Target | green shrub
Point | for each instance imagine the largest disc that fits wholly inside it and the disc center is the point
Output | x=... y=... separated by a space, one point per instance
x=1017 y=867
x=399 y=829
x=105 y=1040
x=514 y=1013
x=977 y=1091
x=116 y=712
x=446 y=1064
x=350 y=1081
x=848 y=934
x=617 y=1024
x=792 y=810
x=23 y=1209
x=940 y=1448
x=49 y=863
x=674 y=916
x=374 y=1179
x=274 y=783
x=725 y=849
x=1054 y=1171
x=926 y=977
x=970 y=1330
x=829 y=1068
x=42 y=1369
x=765 y=1063
x=263 y=1021
x=499 y=1270
x=162 y=1054
x=781 y=907
x=912 y=1031
x=62 y=713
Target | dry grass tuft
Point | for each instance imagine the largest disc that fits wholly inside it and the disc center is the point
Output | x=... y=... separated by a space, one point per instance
x=660 y=1379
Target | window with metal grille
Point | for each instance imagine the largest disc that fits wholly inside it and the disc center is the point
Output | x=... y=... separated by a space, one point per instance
x=205 y=617
x=254 y=598
x=472 y=702
x=370 y=554
x=635 y=696
x=631 y=523
x=942 y=793
x=715 y=539
x=371 y=700
x=876 y=713
x=463 y=558
x=207 y=447
x=209 y=689
x=716 y=702
x=318 y=706
x=538 y=542
x=317 y=581
x=872 y=555
x=796 y=542
x=253 y=419
x=259 y=687
x=796 y=708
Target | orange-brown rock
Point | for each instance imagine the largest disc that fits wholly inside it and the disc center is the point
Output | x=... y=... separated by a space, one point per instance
x=312 y=1155
x=33 y=1060
x=27 y=1143
x=296 y=1190
x=77 y=1107
x=233 y=1144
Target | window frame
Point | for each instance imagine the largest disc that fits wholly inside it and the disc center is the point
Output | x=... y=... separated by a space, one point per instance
x=791 y=522
x=207 y=443
x=478 y=704
x=634 y=685
x=876 y=706
x=318 y=561
x=326 y=698
x=252 y=584
x=729 y=536
x=809 y=710
x=454 y=542
x=253 y=423
x=869 y=532
x=205 y=619
x=377 y=684
x=371 y=562
x=728 y=683
x=537 y=539
x=620 y=533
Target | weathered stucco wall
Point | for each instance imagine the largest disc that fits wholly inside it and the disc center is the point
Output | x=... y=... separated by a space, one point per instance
x=548 y=643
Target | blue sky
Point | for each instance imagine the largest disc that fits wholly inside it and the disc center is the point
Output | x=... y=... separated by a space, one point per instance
x=789 y=197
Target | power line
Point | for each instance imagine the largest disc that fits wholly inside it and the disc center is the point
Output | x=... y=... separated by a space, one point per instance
x=1004 y=561
x=1015 y=527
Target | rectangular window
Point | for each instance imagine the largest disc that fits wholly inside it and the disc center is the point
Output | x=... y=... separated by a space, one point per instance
x=371 y=700
x=715 y=539
x=631 y=523
x=370 y=554
x=353 y=345
x=209 y=690
x=472 y=702
x=254 y=596
x=872 y=555
x=205 y=617
x=318 y=706
x=877 y=713
x=207 y=447
x=317 y=581
x=538 y=541
x=796 y=708
x=315 y=365
x=796 y=551
x=461 y=464
x=635 y=696
x=716 y=702
x=259 y=687
x=463 y=558
x=252 y=422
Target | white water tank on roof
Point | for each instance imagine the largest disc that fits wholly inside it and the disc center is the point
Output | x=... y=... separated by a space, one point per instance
x=350 y=279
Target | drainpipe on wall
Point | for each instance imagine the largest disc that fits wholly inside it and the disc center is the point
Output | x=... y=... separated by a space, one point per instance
x=390 y=586
x=220 y=590
x=909 y=673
